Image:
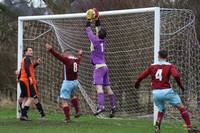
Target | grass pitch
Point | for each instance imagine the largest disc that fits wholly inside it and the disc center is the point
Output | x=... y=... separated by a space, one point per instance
x=53 y=123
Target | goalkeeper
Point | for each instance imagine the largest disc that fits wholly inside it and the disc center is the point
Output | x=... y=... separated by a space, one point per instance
x=100 y=73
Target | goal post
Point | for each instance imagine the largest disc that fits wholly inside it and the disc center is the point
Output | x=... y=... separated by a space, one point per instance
x=134 y=39
x=156 y=50
x=19 y=59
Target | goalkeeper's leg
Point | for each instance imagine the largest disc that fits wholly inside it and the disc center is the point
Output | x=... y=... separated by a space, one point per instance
x=100 y=100
x=106 y=83
x=112 y=101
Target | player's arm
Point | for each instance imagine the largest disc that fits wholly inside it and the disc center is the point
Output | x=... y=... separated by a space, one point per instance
x=97 y=21
x=38 y=62
x=142 y=76
x=26 y=66
x=35 y=65
x=92 y=37
x=55 y=53
x=80 y=55
x=176 y=75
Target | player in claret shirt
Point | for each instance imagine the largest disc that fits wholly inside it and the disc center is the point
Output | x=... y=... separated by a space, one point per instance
x=163 y=92
x=70 y=82
x=100 y=73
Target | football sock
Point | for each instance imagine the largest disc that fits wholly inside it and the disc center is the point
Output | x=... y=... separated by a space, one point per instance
x=39 y=108
x=75 y=103
x=160 y=117
x=100 y=97
x=66 y=112
x=25 y=110
x=112 y=100
x=186 y=117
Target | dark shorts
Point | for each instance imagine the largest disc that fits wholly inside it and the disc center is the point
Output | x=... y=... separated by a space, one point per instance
x=27 y=90
x=101 y=77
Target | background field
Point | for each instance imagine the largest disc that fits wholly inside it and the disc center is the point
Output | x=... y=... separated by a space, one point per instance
x=53 y=123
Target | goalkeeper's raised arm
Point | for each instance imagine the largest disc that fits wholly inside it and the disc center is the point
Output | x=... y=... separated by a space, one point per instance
x=100 y=32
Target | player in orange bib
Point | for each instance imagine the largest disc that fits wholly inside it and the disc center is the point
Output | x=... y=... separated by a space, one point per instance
x=28 y=83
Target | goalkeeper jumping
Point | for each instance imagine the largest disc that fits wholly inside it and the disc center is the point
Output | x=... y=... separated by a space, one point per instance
x=100 y=73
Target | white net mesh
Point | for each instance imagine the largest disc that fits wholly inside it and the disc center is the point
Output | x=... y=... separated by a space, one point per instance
x=178 y=36
x=130 y=44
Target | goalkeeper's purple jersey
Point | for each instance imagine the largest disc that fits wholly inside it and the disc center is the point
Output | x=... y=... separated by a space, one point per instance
x=97 y=48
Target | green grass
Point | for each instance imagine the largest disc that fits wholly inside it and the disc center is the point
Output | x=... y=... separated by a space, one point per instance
x=53 y=123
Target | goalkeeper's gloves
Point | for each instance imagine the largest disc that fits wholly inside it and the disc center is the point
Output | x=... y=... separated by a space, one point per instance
x=96 y=16
x=96 y=13
x=89 y=17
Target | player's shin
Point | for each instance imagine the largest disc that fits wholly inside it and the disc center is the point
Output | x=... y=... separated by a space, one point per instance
x=100 y=97
x=158 y=121
x=160 y=118
x=75 y=103
x=185 y=116
x=112 y=104
x=66 y=111
x=20 y=103
x=40 y=109
x=112 y=101
x=24 y=115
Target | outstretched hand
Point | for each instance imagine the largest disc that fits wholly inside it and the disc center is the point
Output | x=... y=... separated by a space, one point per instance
x=38 y=61
x=48 y=46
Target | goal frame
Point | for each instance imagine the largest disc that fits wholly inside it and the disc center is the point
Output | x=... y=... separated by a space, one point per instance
x=156 y=11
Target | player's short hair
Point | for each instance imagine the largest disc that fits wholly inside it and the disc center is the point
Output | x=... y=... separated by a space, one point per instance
x=24 y=52
x=163 y=54
x=102 y=33
x=68 y=51
x=26 y=49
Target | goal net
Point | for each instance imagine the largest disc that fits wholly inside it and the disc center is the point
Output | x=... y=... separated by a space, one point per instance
x=130 y=48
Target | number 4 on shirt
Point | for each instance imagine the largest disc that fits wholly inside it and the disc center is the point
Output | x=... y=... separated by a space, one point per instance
x=159 y=74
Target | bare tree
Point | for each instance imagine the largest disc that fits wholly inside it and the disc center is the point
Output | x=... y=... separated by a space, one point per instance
x=58 y=7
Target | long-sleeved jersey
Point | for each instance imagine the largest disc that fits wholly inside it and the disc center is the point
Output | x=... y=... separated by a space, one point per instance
x=160 y=75
x=97 y=48
x=71 y=64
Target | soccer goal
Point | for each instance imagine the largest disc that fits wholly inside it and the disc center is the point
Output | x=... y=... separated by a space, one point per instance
x=134 y=39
